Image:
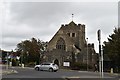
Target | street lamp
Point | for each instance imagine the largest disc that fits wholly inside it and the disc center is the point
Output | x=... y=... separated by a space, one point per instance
x=7 y=61
x=22 y=59
x=27 y=57
x=18 y=59
x=41 y=51
x=87 y=53
x=22 y=55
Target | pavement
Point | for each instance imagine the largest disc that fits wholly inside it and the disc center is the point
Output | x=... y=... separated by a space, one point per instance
x=11 y=70
x=5 y=71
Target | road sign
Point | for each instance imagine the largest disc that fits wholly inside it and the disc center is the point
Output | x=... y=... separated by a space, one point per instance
x=99 y=35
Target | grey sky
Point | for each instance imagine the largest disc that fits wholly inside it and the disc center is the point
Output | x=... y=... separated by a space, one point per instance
x=24 y=20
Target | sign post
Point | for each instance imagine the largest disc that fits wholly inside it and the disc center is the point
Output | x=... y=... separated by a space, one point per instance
x=100 y=54
x=67 y=64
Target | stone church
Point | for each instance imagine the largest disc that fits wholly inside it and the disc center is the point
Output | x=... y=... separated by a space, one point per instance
x=70 y=40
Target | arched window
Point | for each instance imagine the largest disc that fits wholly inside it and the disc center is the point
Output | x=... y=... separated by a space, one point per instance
x=60 y=44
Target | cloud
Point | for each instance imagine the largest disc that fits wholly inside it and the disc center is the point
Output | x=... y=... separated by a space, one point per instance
x=24 y=20
x=36 y=14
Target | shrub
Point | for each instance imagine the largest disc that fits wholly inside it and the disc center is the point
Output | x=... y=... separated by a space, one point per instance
x=78 y=66
x=31 y=64
x=14 y=62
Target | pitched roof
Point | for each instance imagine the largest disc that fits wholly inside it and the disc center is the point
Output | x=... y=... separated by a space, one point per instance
x=72 y=23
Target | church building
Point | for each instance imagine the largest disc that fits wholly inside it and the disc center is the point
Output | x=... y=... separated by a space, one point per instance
x=69 y=44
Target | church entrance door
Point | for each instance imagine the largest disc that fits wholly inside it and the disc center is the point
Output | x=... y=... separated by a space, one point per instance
x=56 y=62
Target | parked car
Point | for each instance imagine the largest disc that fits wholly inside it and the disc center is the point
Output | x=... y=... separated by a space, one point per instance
x=51 y=67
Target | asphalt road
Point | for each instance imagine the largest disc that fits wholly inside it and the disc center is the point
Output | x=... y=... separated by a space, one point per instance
x=60 y=74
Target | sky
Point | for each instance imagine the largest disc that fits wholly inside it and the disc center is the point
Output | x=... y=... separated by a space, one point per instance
x=24 y=20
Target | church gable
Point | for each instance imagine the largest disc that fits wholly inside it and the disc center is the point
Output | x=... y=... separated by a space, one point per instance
x=70 y=26
x=63 y=34
x=60 y=41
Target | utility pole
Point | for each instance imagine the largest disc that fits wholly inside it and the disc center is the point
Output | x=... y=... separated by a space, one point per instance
x=100 y=54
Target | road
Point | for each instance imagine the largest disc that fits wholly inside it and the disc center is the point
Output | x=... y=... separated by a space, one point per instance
x=62 y=74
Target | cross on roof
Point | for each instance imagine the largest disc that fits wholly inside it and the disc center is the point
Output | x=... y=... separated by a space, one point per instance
x=72 y=16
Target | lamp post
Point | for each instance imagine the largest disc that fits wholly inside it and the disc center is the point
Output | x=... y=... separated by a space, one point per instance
x=41 y=51
x=87 y=53
x=7 y=61
x=102 y=74
x=27 y=57
x=21 y=57
x=18 y=59
x=39 y=57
